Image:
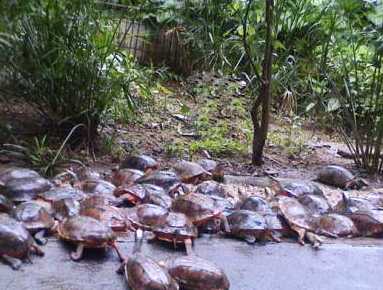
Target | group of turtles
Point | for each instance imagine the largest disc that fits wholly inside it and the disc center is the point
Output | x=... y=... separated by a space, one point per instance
x=174 y=206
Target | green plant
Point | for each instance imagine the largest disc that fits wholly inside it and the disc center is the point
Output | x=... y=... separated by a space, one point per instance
x=62 y=57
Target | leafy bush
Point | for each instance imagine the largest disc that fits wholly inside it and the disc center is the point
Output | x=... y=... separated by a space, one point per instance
x=61 y=56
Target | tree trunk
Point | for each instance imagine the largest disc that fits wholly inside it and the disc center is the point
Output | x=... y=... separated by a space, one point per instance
x=260 y=112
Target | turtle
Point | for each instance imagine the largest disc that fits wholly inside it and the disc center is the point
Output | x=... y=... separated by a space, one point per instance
x=143 y=273
x=168 y=180
x=141 y=162
x=296 y=188
x=368 y=222
x=249 y=226
x=315 y=204
x=157 y=195
x=58 y=193
x=191 y=172
x=16 y=243
x=13 y=173
x=25 y=189
x=109 y=215
x=86 y=173
x=200 y=209
x=86 y=232
x=216 y=169
x=152 y=215
x=299 y=220
x=6 y=206
x=351 y=204
x=65 y=208
x=337 y=225
x=97 y=186
x=126 y=176
x=36 y=220
x=339 y=176
x=195 y=273
x=211 y=187
x=257 y=204
x=131 y=194
x=177 y=229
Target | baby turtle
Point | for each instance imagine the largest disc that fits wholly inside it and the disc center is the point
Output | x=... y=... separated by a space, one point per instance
x=143 y=273
x=351 y=204
x=317 y=205
x=110 y=216
x=177 y=229
x=200 y=209
x=125 y=176
x=16 y=243
x=59 y=193
x=211 y=187
x=337 y=225
x=97 y=186
x=13 y=173
x=168 y=180
x=140 y=162
x=157 y=195
x=191 y=172
x=216 y=170
x=6 y=205
x=86 y=232
x=152 y=215
x=299 y=220
x=249 y=226
x=368 y=222
x=339 y=176
x=36 y=220
x=25 y=189
x=131 y=194
x=195 y=273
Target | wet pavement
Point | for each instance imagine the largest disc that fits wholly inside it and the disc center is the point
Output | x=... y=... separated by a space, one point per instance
x=351 y=264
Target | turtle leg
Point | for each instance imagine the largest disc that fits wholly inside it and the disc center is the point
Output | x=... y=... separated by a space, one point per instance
x=189 y=246
x=301 y=234
x=77 y=255
x=119 y=254
x=11 y=261
x=37 y=251
x=225 y=223
x=314 y=240
x=250 y=239
x=40 y=239
x=272 y=237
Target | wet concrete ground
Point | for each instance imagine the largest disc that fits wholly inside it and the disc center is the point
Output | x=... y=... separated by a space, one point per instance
x=351 y=265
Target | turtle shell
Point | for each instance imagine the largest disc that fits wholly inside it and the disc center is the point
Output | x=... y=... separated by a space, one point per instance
x=246 y=222
x=6 y=205
x=257 y=204
x=197 y=207
x=143 y=273
x=65 y=208
x=139 y=162
x=338 y=225
x=87 y=230
x=296 y=188
x=211 y=187
x=195 y=273
x=15 y=240
x=125 y=176
x=166 y=179
x=208 y=164
x=25 y=189
x=97 y=186
x=315 y=204
x=58 y=193
x=156 y=195
x=110 y=216
x=13 y=173
x=34 y=216
x=177 y=227
x=368 y=222
x=294 y=212
x=152 y=215
x=187 y=171
x=334 y=175
x=134 y=194
x=86 y=173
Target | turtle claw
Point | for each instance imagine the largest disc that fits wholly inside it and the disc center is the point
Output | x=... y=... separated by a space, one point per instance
x=77 y=255
x=37 y=251
x=40 y=239
x=13 y=262
x=314 y=240
x=225 y=223
x=189 y=247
